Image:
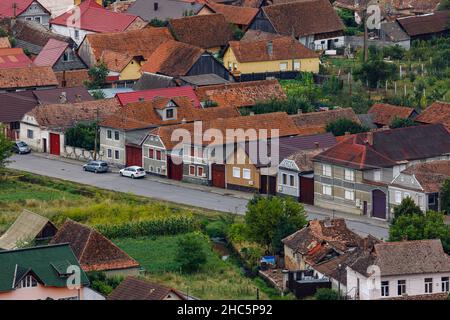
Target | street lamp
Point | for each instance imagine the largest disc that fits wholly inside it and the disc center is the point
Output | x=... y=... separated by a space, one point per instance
x=339 y=281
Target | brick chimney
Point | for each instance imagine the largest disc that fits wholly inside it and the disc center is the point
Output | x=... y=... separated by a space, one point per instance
x=78 y=98
x=63 y=97
x=370 y=138
x=269 y=48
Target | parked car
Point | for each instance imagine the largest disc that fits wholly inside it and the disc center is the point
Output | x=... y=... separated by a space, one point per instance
x=132 y=172
x=21 y=147
x=96 y=166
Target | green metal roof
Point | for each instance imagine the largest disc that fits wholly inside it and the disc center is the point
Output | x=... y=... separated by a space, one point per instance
x=48 y=263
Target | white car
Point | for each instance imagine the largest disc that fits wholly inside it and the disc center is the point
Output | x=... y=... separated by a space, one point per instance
x=133 y=172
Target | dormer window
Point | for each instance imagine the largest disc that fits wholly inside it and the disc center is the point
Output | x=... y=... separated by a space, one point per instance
x=27 y=282
x=68 y=55
x=169 y=114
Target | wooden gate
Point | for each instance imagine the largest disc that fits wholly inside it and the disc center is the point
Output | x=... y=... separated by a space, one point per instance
x=379 y=204
x=218 y=175
x=133 y=156
x=174 y=171
x=55 y=147
x=307 y=190
x=272 y=188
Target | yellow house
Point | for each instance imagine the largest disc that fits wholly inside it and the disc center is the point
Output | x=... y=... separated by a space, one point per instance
x=122 y=66
x=275 y=55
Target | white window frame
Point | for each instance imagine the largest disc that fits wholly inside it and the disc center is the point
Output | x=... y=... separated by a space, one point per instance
x=428 y=285
x=283 y=66
x=246 y=174
x=327 y=170
x=192 y=175
x=109 y=153
x=398 y=197
x=297 y=65
x=385 y=288
x=198 y=173
x=236 y=172
x=326 y=187
x=116 y=154
x=291 y=180
x=349 y=174
x=116 y=132
x=109 y=135
x=377 y=175
x=349 y=194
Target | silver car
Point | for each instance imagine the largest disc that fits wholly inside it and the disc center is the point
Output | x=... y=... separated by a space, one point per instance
x=96 y=166
x=21 y=147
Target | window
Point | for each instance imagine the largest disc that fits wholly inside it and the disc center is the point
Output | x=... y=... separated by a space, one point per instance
x=336 y=40
x=283 y=66
x=432 y=199
x=28 y=282
x=109 y=153
x=401 y=287
x=349 y=175
x=68 y=56
x=192 y=170
x=377 y=175
x=158 y=154
x=230 y=66
x=385 y=288
x=246 y=174
x=236 y=172
x=116 y=135
x=349 y=195
x=30 y=134
x=284 y=178
x=326 y=190
x=235 y=66
x=200 y=171
x=109 y=134
x=428 y=285
x=29 y=18
x=151 y=169
x=296 y=65
x=398 y=197
x=291 y=180
x=169 y=113
x=406 y=195
x=77 y=34
x=326 y=170
x=116 y=154
x=151 y=153
x=445 y=284
x=38 y=19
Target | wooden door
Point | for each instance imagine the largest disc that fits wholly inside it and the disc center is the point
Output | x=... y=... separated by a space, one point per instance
x=133 y=156
x=174 y=171
x=379 y=204
x=307 y=190
x=218 y=175
x=55 y=147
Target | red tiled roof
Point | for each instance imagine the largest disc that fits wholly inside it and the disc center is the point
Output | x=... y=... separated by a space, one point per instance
x=146 y=95
x=437 y=22
x=384 y=114
x=94 y=17
x=137 y=289
x=27 y=77
x=234 y=14
x=72 y=78
x=13 y=58
x=7 y=9
x=431 y=175
x=438 y=112
x=51 y=52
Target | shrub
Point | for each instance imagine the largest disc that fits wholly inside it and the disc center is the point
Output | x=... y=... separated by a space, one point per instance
x=343 y=125
x=216 y=229
x=103 y=284
x=191 y=252
x=326 y=294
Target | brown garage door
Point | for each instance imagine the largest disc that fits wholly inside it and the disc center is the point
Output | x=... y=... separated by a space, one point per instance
x=133 y=156
x=174 y=171
x=379 y=204
x=218 y=175
x=307 y=190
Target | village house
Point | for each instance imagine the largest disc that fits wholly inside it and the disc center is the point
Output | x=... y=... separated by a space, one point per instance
x=354 y=175
x=314 y=23
x=148 y=95
x=133 y=288
x=282 y=54
x=60 y=56
x=400 y=270
x=438 y=112
x=421 y=182
x=209 y=79
x=94 y=251
x=176 y=59
x=242 y=95
x=163 y=9
x=210 y=32
x=27 y=78
x=43 y=127
x=90 y=17
x=426 y=26
x=392 y=34
x=383 y=114
x=28 y=229
x=28 y=10
x=42 y=273
x=240 y=17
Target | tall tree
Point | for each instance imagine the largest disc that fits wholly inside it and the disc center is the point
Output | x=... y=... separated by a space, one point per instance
x=5 y=147
x=406 y=207
x=343 y=125
x=445 y=196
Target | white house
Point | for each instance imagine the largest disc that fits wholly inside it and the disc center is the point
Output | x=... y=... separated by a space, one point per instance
x=400 y=270
x=57 y=7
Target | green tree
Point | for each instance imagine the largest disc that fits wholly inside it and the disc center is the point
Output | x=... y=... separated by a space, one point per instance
x=444 y=5
x=375 y=72
x=98 y=94
x=269 y=219
x=402 y=123
x=326 y=294
x=406 y=207
x=343 y=125
x=421 y=226
x=191 y=252
x=5 y=147
x=445 y=196
x=97 y=75
x=155 y=22
x=82 y=136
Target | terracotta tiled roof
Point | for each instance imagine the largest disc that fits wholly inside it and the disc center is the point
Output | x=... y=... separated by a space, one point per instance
x=251 y=3
x=115 y=61
x=384 y=114
x=72 y=78
x=52 y=96
x=13 y=58
x=427 y=24
x=321 y=119
x=137 y=289
x=438 y=112
x=283 y=48
x=172 y=58
x=204 y=31
x=139 y=115
x=242 y=94
x=405 y=257
x=27 y=77
x=51 y=52
x=60 y=116
x=135 y=42
x=94 y=251
x=234 y=14
x=7 y=8
x=271 y=121
x=431 y=175
x=257 y=35
x=304 y=18
x=184 y=91
x=416 y=6
x=15 y=104
x=94 y=17
x=4 y=42
x=387 y=148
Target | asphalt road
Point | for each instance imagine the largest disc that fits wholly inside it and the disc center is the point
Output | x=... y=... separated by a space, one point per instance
x=163 y=191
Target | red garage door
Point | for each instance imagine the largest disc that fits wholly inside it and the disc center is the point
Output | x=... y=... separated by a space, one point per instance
x=175 y=171
x=133 y=156
x=218 y=175
x=55 y=147
x=307 y=190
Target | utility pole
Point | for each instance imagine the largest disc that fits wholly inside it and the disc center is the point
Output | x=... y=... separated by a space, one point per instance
x=96 y=135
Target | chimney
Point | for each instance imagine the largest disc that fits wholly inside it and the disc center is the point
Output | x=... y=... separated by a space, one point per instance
x=78 y=98
x=370 y=138
x=299 y=111
x=155 y=6
x=317 y=145
x=269 y=48
x=63 y=97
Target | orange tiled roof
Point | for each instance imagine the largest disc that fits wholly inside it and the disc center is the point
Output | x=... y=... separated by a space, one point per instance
x=73 y=78
x=438 y=112
x=234 y=14
x=384 y=113
x=27 y=77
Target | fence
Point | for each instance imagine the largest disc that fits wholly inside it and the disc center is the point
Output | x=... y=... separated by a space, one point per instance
x=80 y=154
x=281 y=75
